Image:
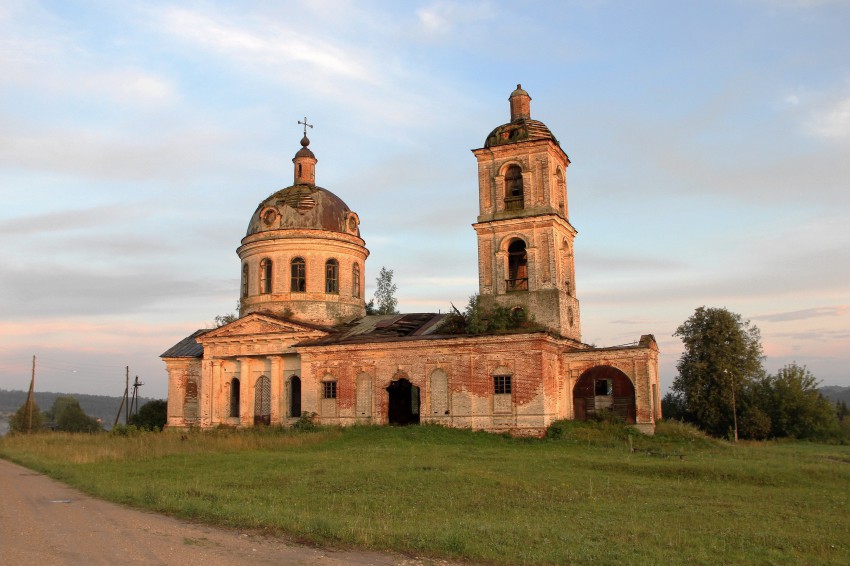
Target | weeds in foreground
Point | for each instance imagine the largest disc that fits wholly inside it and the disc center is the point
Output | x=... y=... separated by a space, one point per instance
x=580 y=495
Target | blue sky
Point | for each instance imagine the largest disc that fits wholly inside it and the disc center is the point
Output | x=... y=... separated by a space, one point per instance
x=709 y=145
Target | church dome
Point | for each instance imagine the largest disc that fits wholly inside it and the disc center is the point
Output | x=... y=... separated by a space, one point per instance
x=522 y=129
x=306 y=207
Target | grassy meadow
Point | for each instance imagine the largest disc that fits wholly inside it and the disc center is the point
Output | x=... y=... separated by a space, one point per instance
x=583 y=497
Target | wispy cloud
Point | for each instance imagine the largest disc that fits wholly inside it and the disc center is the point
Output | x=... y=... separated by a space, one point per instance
x=81 y=219
x=443 y=17
x=274 y=44
x=805 y=314
x=833 y=121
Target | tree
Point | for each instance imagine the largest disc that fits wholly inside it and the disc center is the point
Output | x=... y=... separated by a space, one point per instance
x=722 y=358
x=68 y=416
x=152 y=415
x=20 y=421
x=222 y=319
x=477 y=319
x=795 y=406
x=385 y=293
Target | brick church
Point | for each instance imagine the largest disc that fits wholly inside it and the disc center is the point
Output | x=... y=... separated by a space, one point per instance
x=303 y=344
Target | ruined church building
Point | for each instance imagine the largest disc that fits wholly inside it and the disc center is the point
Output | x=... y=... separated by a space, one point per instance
x=303 y=344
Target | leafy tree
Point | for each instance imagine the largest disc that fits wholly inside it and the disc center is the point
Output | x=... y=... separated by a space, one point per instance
x=673 y=406
x=385 y=293
x=370 y=307
x=152 y=415
x=20 y=421
x=222 y=319
x=60 y=404
x=795 y=406
x=68 y=416
x=722 y=358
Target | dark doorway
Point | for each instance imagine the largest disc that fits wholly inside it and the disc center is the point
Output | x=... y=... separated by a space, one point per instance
x=604 y=390
x=404 y=403
x=295 y=396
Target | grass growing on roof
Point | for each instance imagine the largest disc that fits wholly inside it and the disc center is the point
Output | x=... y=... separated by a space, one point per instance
x=598 y=492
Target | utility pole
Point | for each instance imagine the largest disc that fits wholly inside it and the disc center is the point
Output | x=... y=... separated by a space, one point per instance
x=123 y=404
x=134 y=405
x=31 y=396
x=126 y=393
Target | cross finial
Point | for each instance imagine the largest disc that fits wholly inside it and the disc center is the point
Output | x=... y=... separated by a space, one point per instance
x=305 y=124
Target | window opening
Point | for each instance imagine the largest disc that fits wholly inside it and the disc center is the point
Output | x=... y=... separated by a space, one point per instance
x=355 y=281
x=513 y=188
x=298 y=276
x=517 y=267
x=604 y=387
x=266 y=276
x=245 y=280
x=332 y=276
x=502 y=384
x=329 y=390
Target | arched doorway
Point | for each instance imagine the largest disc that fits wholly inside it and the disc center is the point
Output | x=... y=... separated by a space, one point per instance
x=263 y=401
x=601 y=389
x=295 y=396
x=234 y=397
x=404 y=402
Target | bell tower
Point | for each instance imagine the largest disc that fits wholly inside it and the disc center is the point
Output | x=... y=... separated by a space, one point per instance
x=525 y=239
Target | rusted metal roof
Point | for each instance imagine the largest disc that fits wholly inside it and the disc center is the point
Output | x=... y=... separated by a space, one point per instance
x=187 y=347
x=301 y=206
x=382 y=328
x=522 y=129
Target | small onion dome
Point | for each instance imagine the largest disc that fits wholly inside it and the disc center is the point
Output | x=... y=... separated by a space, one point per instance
x=305 y=151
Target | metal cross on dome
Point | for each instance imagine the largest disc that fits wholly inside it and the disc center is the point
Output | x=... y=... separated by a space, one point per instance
x=305 y=124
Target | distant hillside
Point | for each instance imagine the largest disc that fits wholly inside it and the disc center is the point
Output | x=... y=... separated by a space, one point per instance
x=103 y=407
x=836 y=393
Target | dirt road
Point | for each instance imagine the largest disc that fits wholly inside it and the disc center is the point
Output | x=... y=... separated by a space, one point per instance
x=45 y=522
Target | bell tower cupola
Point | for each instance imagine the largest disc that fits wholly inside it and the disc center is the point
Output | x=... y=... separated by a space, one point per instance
x=304 y=160
x=520 y=104
x=525 y=239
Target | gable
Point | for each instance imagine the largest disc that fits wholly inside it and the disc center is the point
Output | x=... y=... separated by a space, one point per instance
x=260 y=324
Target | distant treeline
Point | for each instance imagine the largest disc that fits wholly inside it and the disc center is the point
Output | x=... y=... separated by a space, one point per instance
x=836 y=393
x=104 y=407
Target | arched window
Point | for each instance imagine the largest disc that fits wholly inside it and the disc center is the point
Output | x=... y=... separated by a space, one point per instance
x=244 y=279
x=266 y=276
x=298 y=276
x=234 y=397
x=332 y=276
x=355 y=281
x=513 y=188
x=517 y=266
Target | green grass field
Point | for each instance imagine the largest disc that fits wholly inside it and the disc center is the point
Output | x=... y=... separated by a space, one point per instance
x=584 y=497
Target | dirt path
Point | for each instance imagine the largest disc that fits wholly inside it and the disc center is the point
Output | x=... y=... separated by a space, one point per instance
x=45 y=522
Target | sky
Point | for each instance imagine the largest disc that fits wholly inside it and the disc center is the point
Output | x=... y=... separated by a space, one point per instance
x=710 y=149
